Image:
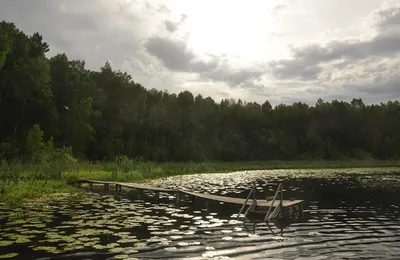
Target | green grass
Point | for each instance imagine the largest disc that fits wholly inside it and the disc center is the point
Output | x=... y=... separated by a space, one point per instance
x=22 y=181
x=16 y=193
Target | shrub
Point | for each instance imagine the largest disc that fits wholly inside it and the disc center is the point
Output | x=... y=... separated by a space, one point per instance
x=7 y=151
x=124 y=163
x=9 y=173
x=59 y=161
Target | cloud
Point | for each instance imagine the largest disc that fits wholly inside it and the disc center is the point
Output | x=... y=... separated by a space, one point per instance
x=174 y=26
x=171 y=26
x=176 y=56
x=278 y=8
x=238 y=77
x=388 y=19
x=309 y=61
x=376 y=79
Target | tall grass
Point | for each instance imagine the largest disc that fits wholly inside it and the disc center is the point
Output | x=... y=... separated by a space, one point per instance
x=17 y=192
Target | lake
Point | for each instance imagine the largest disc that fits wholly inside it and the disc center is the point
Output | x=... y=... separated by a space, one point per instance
x=349 y=214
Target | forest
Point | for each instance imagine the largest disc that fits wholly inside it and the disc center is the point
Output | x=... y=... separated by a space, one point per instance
x=100 y=115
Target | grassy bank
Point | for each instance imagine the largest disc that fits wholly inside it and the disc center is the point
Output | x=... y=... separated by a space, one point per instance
x=31 y=189
x=21 y=181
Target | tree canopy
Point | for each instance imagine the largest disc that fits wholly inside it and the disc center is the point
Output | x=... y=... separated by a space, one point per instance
x=103 y=114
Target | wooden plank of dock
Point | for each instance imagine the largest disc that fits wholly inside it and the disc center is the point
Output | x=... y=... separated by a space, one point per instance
x=145 y=187
x=131 y=185
x=240 y=201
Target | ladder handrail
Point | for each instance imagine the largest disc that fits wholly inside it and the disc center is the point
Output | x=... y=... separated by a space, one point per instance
x=253 y=205
x=272 y=204
x=247 y=199
x=275 y=212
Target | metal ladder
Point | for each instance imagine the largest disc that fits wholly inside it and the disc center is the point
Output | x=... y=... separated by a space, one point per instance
x=270 y=215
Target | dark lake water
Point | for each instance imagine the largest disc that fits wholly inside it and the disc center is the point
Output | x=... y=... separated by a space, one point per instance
x=349 y=214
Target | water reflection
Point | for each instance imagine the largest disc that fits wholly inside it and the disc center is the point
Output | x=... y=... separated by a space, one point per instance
x=348 y=215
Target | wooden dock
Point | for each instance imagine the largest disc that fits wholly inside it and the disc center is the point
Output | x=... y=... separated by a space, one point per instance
x=241 y=201
x=119 y=185
x=270 y=208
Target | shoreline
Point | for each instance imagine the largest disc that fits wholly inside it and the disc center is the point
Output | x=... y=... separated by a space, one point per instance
x=144 y=171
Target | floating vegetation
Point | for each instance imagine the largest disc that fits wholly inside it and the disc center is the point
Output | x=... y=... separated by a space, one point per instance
x=22 y=240
x=48 y=249
x=6 y=242
x=127 y=240
x=125 y=229
x=117 y=250
x=8 y=256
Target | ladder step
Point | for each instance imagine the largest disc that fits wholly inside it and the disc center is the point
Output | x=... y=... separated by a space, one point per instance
x=258 y=212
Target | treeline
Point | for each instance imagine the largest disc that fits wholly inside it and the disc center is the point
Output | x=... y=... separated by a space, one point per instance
x=104 y=114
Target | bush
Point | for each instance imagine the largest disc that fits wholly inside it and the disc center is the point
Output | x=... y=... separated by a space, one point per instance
x=124 y=163
x=7 y=151
x=36 y=150
x=59 y=161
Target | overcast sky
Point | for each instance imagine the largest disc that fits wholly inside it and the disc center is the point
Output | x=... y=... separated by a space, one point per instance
x=277 y=50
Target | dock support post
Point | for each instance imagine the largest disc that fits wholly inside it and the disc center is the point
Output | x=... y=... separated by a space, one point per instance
x=79 y=184
x=90 y=185
x=106 y=187
x=177 y=198
x=301 y=212
x=157 y=195
x=208 y=206
x=254 y=190
x=193 y=201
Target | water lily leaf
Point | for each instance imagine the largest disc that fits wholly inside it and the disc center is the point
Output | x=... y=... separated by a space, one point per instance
x=117 y=250
x=131 y=251
x=5 y=242
x=128 y=240
x=9 y=255
x=48 y=249
x=22 y=240
x=112 y=245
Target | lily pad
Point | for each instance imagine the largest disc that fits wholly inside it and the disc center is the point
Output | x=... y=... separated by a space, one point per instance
x=5 y=242
x=22 y=240
x=48 y=249
x=131 y=251
x=9 y=255
x=117 y=250
x=127 y=240
x=99 y=247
